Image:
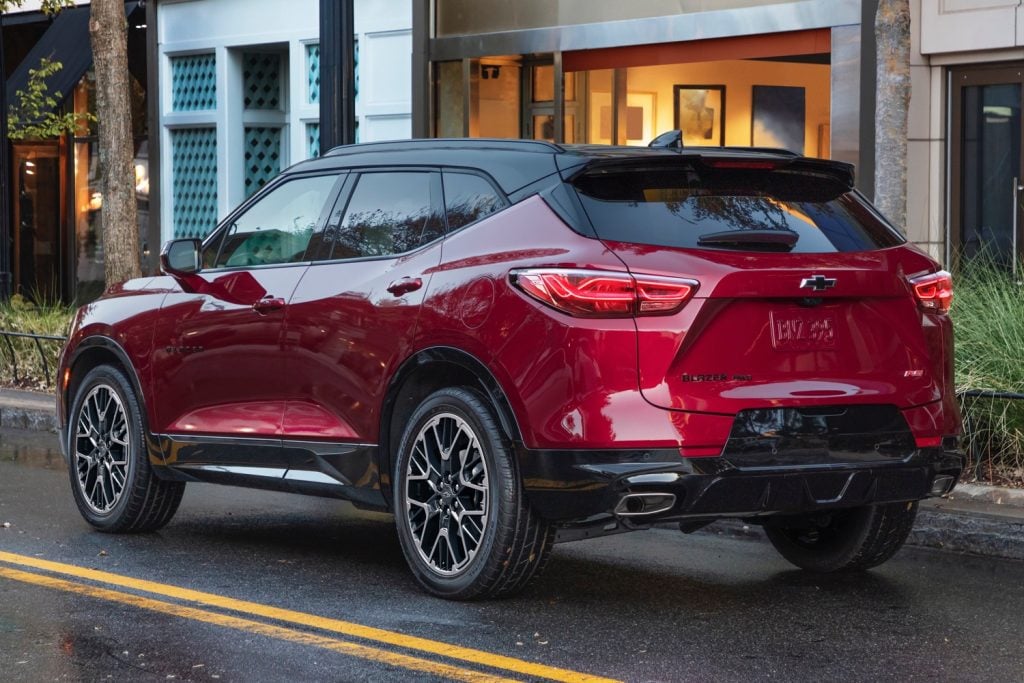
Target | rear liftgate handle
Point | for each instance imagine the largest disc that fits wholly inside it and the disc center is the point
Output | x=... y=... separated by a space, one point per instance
x=267 y=304
x=405 y=285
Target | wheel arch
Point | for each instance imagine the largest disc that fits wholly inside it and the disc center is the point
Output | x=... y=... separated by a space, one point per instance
x=419 y=376
x=90 y=353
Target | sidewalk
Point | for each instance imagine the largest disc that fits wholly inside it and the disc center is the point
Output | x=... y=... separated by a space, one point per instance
x=982 y=520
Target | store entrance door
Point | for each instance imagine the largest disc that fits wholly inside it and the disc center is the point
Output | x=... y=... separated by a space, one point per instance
x=37 y=249
x=988 y=163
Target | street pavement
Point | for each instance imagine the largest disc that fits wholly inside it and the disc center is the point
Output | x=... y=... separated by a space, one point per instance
x=250 y=586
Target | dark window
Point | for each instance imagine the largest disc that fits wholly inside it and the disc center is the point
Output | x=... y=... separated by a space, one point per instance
x=390 y=213
x=468 y=198
x=276 y=229
x=677 y=206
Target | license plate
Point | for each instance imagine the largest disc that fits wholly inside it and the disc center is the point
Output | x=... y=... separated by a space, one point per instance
x=793 y=331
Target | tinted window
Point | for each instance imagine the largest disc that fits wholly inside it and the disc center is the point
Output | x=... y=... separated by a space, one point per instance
x=676 y=206
x=389 y=213
x=276 y=229
x=468 y=198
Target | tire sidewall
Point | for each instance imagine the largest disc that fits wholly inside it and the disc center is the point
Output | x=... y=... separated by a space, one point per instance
x=114 y=519
x=500 y=490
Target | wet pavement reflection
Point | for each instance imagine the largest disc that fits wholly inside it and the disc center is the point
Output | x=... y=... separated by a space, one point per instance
x=649 y=606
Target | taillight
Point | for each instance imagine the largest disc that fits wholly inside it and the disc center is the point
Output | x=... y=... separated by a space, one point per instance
x=604 y=294
x=934 y=291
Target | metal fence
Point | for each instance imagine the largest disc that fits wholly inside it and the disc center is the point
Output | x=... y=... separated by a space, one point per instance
x=11 y=355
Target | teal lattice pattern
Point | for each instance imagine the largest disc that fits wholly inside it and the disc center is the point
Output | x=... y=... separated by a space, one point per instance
x=194 y=82
x=313 y=64
x=194 y=181
x=262 y=157
x=313 y=138
x=262 y=80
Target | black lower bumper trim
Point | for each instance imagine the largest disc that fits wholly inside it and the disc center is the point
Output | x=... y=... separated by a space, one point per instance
x=571 y=486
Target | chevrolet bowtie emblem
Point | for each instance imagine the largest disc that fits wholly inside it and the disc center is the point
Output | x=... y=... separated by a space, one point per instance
x=819 y=283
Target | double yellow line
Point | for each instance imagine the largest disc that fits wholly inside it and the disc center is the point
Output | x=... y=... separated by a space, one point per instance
x=9 y=569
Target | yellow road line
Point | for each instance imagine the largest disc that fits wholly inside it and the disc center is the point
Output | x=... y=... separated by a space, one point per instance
x=496 y=661
x=259 y=628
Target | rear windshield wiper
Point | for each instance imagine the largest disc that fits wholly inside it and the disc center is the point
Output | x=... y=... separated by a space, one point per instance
x=755 y=240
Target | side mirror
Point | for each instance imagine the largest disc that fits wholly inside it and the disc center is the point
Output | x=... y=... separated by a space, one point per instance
x=181 y=257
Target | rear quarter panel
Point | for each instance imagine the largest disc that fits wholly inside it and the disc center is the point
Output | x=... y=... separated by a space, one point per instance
x=571 y=382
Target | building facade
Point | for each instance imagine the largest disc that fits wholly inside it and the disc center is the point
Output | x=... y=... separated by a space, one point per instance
x=52 y=245
x=733 y=72
x=966 y=144
x=239 y=96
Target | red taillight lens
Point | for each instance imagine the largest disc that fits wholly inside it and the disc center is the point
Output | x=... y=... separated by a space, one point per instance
x=934 y=292
x=601 y=294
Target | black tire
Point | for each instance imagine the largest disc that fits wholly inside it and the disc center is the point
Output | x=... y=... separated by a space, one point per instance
x=143 y=502
x=844 y=540
x=514 y=543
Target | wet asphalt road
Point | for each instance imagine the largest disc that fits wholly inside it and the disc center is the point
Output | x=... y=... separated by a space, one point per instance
x=649 y=606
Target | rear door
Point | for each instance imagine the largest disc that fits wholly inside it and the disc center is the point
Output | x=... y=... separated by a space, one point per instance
x=353 y=317
x=804 y=295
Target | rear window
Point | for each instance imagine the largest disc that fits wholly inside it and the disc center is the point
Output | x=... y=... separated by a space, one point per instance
x=677 y=206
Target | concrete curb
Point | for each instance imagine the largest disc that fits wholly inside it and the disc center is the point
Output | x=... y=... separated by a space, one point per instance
x=982 y=493
x=27 y=411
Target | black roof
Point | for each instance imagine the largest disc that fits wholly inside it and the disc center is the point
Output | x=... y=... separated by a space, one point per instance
x=514 y=164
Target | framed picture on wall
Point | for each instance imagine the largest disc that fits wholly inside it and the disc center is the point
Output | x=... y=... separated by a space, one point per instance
x=779 y=117
x=700 y=114
x=636 y=124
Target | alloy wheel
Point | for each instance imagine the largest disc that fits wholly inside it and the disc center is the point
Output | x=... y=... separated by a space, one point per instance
x=101 y=448
x=446 y=504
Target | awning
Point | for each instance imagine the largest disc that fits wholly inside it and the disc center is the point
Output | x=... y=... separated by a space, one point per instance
x=67 y=42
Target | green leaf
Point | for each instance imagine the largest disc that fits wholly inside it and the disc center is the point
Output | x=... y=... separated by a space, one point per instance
x=35 y=115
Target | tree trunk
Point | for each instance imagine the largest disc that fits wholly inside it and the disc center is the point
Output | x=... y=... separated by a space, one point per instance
x=892 y=31
x=109 y=35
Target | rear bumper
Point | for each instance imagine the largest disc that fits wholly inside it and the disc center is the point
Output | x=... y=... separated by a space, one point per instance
x=581 y=486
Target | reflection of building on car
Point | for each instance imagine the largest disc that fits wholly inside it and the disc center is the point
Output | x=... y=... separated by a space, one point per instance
x=509 y=343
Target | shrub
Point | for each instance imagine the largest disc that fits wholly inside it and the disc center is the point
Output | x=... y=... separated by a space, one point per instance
x=988 y=315
x=20 y=315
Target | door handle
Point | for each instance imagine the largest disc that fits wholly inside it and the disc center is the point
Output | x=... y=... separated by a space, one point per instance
x=268 y=304
x=405 y=285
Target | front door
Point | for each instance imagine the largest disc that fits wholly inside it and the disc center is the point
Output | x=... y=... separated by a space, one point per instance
x=987 y=168
x=218 y=364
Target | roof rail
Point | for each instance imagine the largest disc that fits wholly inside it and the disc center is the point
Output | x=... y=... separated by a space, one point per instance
x=448 y=143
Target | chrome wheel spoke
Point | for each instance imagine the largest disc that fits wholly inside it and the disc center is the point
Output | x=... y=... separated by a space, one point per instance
x=102 y=448
x=446 y=494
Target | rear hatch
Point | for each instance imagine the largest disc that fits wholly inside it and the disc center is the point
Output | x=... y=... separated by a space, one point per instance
x=805 y=294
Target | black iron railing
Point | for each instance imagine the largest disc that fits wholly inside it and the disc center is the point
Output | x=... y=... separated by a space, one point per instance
x=11 y=355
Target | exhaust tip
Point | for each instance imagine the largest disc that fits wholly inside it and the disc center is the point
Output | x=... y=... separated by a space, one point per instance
x=640 y=504
x=942 y=485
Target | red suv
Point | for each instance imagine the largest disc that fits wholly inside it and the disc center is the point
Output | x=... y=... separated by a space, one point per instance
x=513 y=343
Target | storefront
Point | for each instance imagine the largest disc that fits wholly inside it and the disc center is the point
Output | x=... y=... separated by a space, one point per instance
x=54 y=246
x=769 y=74
x=972 y=53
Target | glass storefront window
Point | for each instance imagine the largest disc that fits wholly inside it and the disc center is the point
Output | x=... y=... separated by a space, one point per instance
x=88 y=264
x=494 y=97
x=765 y=102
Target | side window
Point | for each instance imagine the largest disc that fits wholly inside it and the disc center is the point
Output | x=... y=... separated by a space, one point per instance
x=390 y=213
x=277 y=228
x=468 y=198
